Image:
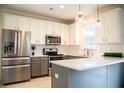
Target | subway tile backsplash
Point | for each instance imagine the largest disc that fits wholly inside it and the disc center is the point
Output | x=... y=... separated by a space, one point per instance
x=101 y=48
x=62 y=49
x=76 y=49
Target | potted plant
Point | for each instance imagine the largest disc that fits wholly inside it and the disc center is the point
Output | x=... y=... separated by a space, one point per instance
x=33 y=48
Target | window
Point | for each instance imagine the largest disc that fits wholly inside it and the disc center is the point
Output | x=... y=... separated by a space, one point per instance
x=89 y=36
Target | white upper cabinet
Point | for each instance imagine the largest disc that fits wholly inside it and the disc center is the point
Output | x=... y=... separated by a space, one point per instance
x=34 y=31
x=53 y=28
x=42 y=31
x=111 y=28
x=38 y=28
x=23 y=23
x=38 y=31
x=10 y=21
x=57 y=28
x=64 y=34
x=16 y=22
x=50 y=27
x=74 y=34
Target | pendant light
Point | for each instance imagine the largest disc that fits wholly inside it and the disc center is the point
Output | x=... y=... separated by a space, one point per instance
x=79 y=18
x=98 y=20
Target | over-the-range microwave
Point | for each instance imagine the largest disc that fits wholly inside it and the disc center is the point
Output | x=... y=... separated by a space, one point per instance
x=52 y=40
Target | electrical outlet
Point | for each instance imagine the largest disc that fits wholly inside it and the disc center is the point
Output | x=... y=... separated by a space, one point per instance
x=56 y=75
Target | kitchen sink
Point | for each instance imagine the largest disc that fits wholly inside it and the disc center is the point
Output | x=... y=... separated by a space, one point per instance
x=72 y=57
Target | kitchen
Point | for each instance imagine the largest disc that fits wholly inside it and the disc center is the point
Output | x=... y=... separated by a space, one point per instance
x=56 y=38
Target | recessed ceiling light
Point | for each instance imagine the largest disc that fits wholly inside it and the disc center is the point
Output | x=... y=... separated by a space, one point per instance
x=62 y=6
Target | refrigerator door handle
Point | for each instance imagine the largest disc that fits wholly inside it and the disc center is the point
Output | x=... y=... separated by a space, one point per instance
x=15 y=44
x=19 y=42
x=20 y=66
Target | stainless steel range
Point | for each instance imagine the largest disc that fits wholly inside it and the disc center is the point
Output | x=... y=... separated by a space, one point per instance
x=53 y=54
x=15 y=56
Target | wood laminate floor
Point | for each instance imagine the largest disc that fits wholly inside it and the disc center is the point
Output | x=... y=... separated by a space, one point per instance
x=41 y=82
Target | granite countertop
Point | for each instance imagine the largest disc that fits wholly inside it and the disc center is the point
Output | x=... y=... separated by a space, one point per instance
x=88 y=63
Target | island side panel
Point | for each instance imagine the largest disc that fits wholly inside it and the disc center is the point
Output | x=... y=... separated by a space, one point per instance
x=116 y=75
x=92 y=78
x=59 y=76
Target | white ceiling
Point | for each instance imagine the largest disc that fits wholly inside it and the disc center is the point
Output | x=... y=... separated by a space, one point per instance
x=67 y=13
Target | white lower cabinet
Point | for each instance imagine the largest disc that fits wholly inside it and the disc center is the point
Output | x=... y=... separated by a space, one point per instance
x=111 y=28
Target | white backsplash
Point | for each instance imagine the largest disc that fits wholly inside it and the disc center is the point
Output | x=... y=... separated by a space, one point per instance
x=101 y=48
x=75 y=49
x=62 y=49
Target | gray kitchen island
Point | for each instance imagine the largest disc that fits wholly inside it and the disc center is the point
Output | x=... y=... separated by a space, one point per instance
x=95 y=72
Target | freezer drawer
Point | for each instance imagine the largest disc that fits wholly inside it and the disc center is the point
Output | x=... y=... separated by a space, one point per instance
x=11 y=74
x=15 y=61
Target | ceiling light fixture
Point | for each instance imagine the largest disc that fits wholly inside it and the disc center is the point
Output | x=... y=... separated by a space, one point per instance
x=98 y=20
x=79 y=18
x=61 y=6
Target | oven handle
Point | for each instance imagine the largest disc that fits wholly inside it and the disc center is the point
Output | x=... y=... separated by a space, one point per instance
x=20 y=66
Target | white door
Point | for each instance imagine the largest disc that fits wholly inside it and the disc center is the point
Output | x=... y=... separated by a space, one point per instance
x=23 y=23
x=42 y=31
x=10 y=21
x=34 y=31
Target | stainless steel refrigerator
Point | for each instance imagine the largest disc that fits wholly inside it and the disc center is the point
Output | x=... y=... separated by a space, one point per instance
x=15 y=63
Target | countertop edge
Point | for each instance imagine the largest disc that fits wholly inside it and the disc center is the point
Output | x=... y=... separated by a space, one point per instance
x=90 y=67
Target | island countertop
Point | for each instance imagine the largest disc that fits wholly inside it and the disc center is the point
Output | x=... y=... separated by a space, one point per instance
x=88 y=63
